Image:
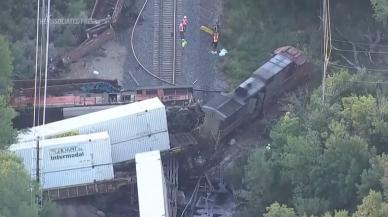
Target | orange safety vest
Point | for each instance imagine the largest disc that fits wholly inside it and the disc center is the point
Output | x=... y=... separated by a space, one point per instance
x=185 y=21
x=181 y=29
x=215 y=37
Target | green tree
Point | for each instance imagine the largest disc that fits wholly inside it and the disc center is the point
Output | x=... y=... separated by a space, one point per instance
x=325 y=157
x=341 y=165
x=372 y=206
x=342 y=213
x=263 y=183
x=381 y=10
x=18 y=24
x=16 y=189
x=277 y=210
x=7 y=133
x=310 y=206
x=6 y=67
x=375 y=177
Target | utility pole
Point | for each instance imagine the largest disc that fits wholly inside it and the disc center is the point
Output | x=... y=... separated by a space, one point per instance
x=326 y=43
x=38 y=195
x=37 y=161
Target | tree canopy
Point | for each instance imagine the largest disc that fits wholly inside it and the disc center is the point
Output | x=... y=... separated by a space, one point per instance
x=372 y=205
x=6 y=65
x=277 y=210
x=18 y=25
x=252 y=29
x=18 y=192
x=381 y=10
x=7 y=133
x=324 y=156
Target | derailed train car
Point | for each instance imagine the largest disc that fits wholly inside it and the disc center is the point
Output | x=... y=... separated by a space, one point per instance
x=282 y=72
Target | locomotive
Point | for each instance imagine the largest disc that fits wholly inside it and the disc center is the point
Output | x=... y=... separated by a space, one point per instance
x=287 y=67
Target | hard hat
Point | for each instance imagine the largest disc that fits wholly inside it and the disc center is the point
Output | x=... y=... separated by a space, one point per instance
x=185 y=17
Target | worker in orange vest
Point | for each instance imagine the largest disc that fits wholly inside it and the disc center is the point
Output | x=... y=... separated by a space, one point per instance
x=181 y=30
x=185 y=22
x=215 y=40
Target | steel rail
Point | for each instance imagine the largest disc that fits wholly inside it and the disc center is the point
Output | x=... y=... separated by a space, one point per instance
x=134 y=52
x=133 y=49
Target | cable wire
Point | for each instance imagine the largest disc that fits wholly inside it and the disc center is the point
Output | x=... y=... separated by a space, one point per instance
x=46 y=63
x=360 y=51
x=362 y=82
x=41 y=62
x=326 y=42
x=360 y=43
x=36 y=60
x=352 y=67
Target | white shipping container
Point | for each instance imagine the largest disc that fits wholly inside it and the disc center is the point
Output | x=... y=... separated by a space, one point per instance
x=122 y=123
x=151 y=185
x=127 y=150
x=66 y=178
x=67 y=153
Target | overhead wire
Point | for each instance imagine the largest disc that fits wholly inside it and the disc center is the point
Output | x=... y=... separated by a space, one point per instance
x=46 y=62
x=41 y=61
x=362 y=82
x=360 y=43
x=352 y=67
x=360 y=51
x=36 y=60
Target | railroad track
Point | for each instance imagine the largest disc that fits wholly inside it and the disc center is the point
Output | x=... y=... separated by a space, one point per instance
x=165 y=40
x=166 y=57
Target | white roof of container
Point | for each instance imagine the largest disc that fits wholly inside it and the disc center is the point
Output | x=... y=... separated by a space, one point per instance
x=150 y=185
x=59 y=141
x=91 y=118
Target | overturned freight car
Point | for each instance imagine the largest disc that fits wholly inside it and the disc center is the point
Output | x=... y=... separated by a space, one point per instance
x=68 y=161
x=285 y=70
x=133 y=128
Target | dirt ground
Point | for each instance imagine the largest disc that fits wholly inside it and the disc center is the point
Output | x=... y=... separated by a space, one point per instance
x=108 y=61
x=115 y=60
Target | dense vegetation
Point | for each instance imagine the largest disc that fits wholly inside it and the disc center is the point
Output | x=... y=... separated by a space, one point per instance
x=7 y=133
x=252 y=29
x=324 y=158
x=17 y=191
x=18 y=24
